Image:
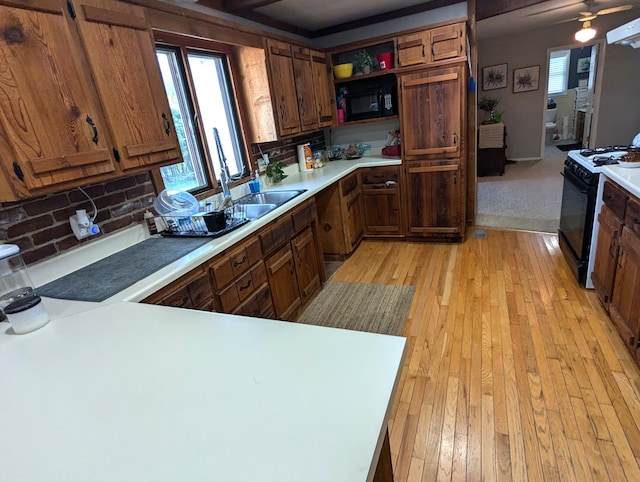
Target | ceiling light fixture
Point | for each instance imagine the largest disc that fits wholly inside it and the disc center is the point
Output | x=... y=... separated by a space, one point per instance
x=586 y=33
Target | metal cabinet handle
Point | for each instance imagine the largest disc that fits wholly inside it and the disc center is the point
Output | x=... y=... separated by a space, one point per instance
x=242 y=288
x=238 y=263
x=455 y=139
x=89 y=121
x=167 y=124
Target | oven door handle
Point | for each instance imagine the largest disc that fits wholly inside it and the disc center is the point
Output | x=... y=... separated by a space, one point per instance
x=573 y=180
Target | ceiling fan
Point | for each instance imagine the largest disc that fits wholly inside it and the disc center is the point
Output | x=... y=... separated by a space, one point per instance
x=589 y=15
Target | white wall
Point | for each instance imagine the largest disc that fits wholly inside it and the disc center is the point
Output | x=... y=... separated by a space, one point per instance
x=619 y=103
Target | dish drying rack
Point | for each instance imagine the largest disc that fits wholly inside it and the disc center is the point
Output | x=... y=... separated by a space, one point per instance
x=195 y=225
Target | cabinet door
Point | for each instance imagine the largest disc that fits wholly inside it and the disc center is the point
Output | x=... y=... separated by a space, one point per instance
x=121 y=53
x=354 y=218
x=303 y=74
x=382 y=209
x=323 y=88
x=412 y=49
x=606 y=256
x=52 y=132
x=304 y=253
x=283 y=87
x=281 y=272
x=446 y=42
x=624 y=308
x=431 y=105
x=433 y=198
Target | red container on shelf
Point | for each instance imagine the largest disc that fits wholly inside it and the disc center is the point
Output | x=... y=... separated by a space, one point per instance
x=393 y=151
x=385 y=61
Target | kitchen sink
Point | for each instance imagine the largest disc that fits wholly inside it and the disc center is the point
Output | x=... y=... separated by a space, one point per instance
x=270 y=197
x=258 y=204
x=255 y=211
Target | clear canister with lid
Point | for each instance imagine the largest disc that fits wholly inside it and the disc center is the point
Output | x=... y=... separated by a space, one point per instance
x=15 y=282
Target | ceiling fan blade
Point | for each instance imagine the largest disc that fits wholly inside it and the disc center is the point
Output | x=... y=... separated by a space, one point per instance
x=621 y=8
x=587 y=18
x=541 y=12
x=587 y=14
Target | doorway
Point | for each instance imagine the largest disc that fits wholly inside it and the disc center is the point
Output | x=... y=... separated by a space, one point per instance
x=572 y=98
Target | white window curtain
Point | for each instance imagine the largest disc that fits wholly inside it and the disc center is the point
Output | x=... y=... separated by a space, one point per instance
x=558 y=72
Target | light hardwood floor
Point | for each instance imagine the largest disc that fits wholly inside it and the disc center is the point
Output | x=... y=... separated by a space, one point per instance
x=513 y=372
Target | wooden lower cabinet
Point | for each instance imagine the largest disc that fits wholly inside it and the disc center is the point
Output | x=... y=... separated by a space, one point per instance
x=624 y=308
x=434 y=199
x=606 y=256
x=193 y=290
x=306 y=264
x=281 y=270
x=341 y=216
x=382 y=201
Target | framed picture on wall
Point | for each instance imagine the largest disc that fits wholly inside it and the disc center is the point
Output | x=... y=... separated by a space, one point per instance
x=526 y=79
x=584 y=64
x=494 y=77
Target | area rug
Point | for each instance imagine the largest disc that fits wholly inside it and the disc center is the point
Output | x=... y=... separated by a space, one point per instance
x=570 y=147
x=375 y=308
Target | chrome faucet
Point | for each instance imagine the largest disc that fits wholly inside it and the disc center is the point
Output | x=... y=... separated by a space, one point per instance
x=224 y=168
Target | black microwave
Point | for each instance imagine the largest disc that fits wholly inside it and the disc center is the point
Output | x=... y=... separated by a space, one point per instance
x=370 y=98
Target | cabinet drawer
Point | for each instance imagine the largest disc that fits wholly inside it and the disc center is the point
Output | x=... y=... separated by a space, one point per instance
x=239 y=261
x=179 y=299
x=348 y=184
x=200 y=291
x=221 y=271
x=303 y=215
x=235 y=293
x=632 y=218
x=615 y=199
x=249 y=307
x=380 y=175
x=259 y=274
x=276 y=235
x=230 y=264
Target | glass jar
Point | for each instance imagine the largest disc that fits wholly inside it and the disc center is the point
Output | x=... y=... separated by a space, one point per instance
x=15 y=282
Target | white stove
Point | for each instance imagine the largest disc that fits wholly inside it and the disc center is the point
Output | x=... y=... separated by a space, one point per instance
x=581 y=203
x=594 y=159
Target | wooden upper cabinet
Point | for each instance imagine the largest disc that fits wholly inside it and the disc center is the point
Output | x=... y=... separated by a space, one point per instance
x=304 y=91
x=323 y=88
x=446 y=42
x=439 y=43
x=413 y=49
x=52 y=130
x=432 y=106
x=119 y=46
x=283 y=87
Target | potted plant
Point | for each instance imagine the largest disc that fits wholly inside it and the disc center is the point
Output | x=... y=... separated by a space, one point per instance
x=488 y=104
x=275 y=172
x=364 y=61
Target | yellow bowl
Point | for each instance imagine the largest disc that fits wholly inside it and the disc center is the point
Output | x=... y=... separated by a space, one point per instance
x=343 y=71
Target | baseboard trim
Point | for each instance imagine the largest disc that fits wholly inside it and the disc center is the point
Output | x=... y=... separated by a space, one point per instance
x=518 y=159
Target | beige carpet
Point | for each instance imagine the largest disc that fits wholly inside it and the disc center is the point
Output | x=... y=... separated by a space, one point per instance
x=375 y=308
x=527 y=197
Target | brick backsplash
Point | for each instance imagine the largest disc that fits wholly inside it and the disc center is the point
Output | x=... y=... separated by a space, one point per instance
x=286 y=151
x=40 y=226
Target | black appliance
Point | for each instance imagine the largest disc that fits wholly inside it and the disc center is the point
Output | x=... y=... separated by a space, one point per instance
x=579 y=194
x=370 y=98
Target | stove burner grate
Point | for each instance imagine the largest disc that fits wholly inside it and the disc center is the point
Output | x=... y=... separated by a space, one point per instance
x=606 y=150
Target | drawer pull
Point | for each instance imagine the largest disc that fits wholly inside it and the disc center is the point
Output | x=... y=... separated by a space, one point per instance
x=242 y=288
x=238 y=263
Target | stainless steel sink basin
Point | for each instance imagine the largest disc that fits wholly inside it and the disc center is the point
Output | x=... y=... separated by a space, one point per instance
x=259 y=204
x=254 y=211
x=270 y=197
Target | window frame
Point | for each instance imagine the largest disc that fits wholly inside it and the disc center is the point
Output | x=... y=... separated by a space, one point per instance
x=183 y=44
x=566 y=54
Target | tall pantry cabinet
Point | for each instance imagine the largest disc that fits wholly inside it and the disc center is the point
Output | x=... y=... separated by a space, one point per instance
x=433 y=105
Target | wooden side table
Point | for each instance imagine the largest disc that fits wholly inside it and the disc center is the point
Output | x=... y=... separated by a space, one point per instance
x=492 y=147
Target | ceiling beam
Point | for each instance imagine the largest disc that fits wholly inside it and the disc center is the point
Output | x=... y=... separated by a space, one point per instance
x=382 y=17
x=246 y=5
x=493 y=8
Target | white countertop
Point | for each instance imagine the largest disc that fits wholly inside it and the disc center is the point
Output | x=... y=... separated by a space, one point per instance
x=149 y=393
x=628 y=178
x=313 y=181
